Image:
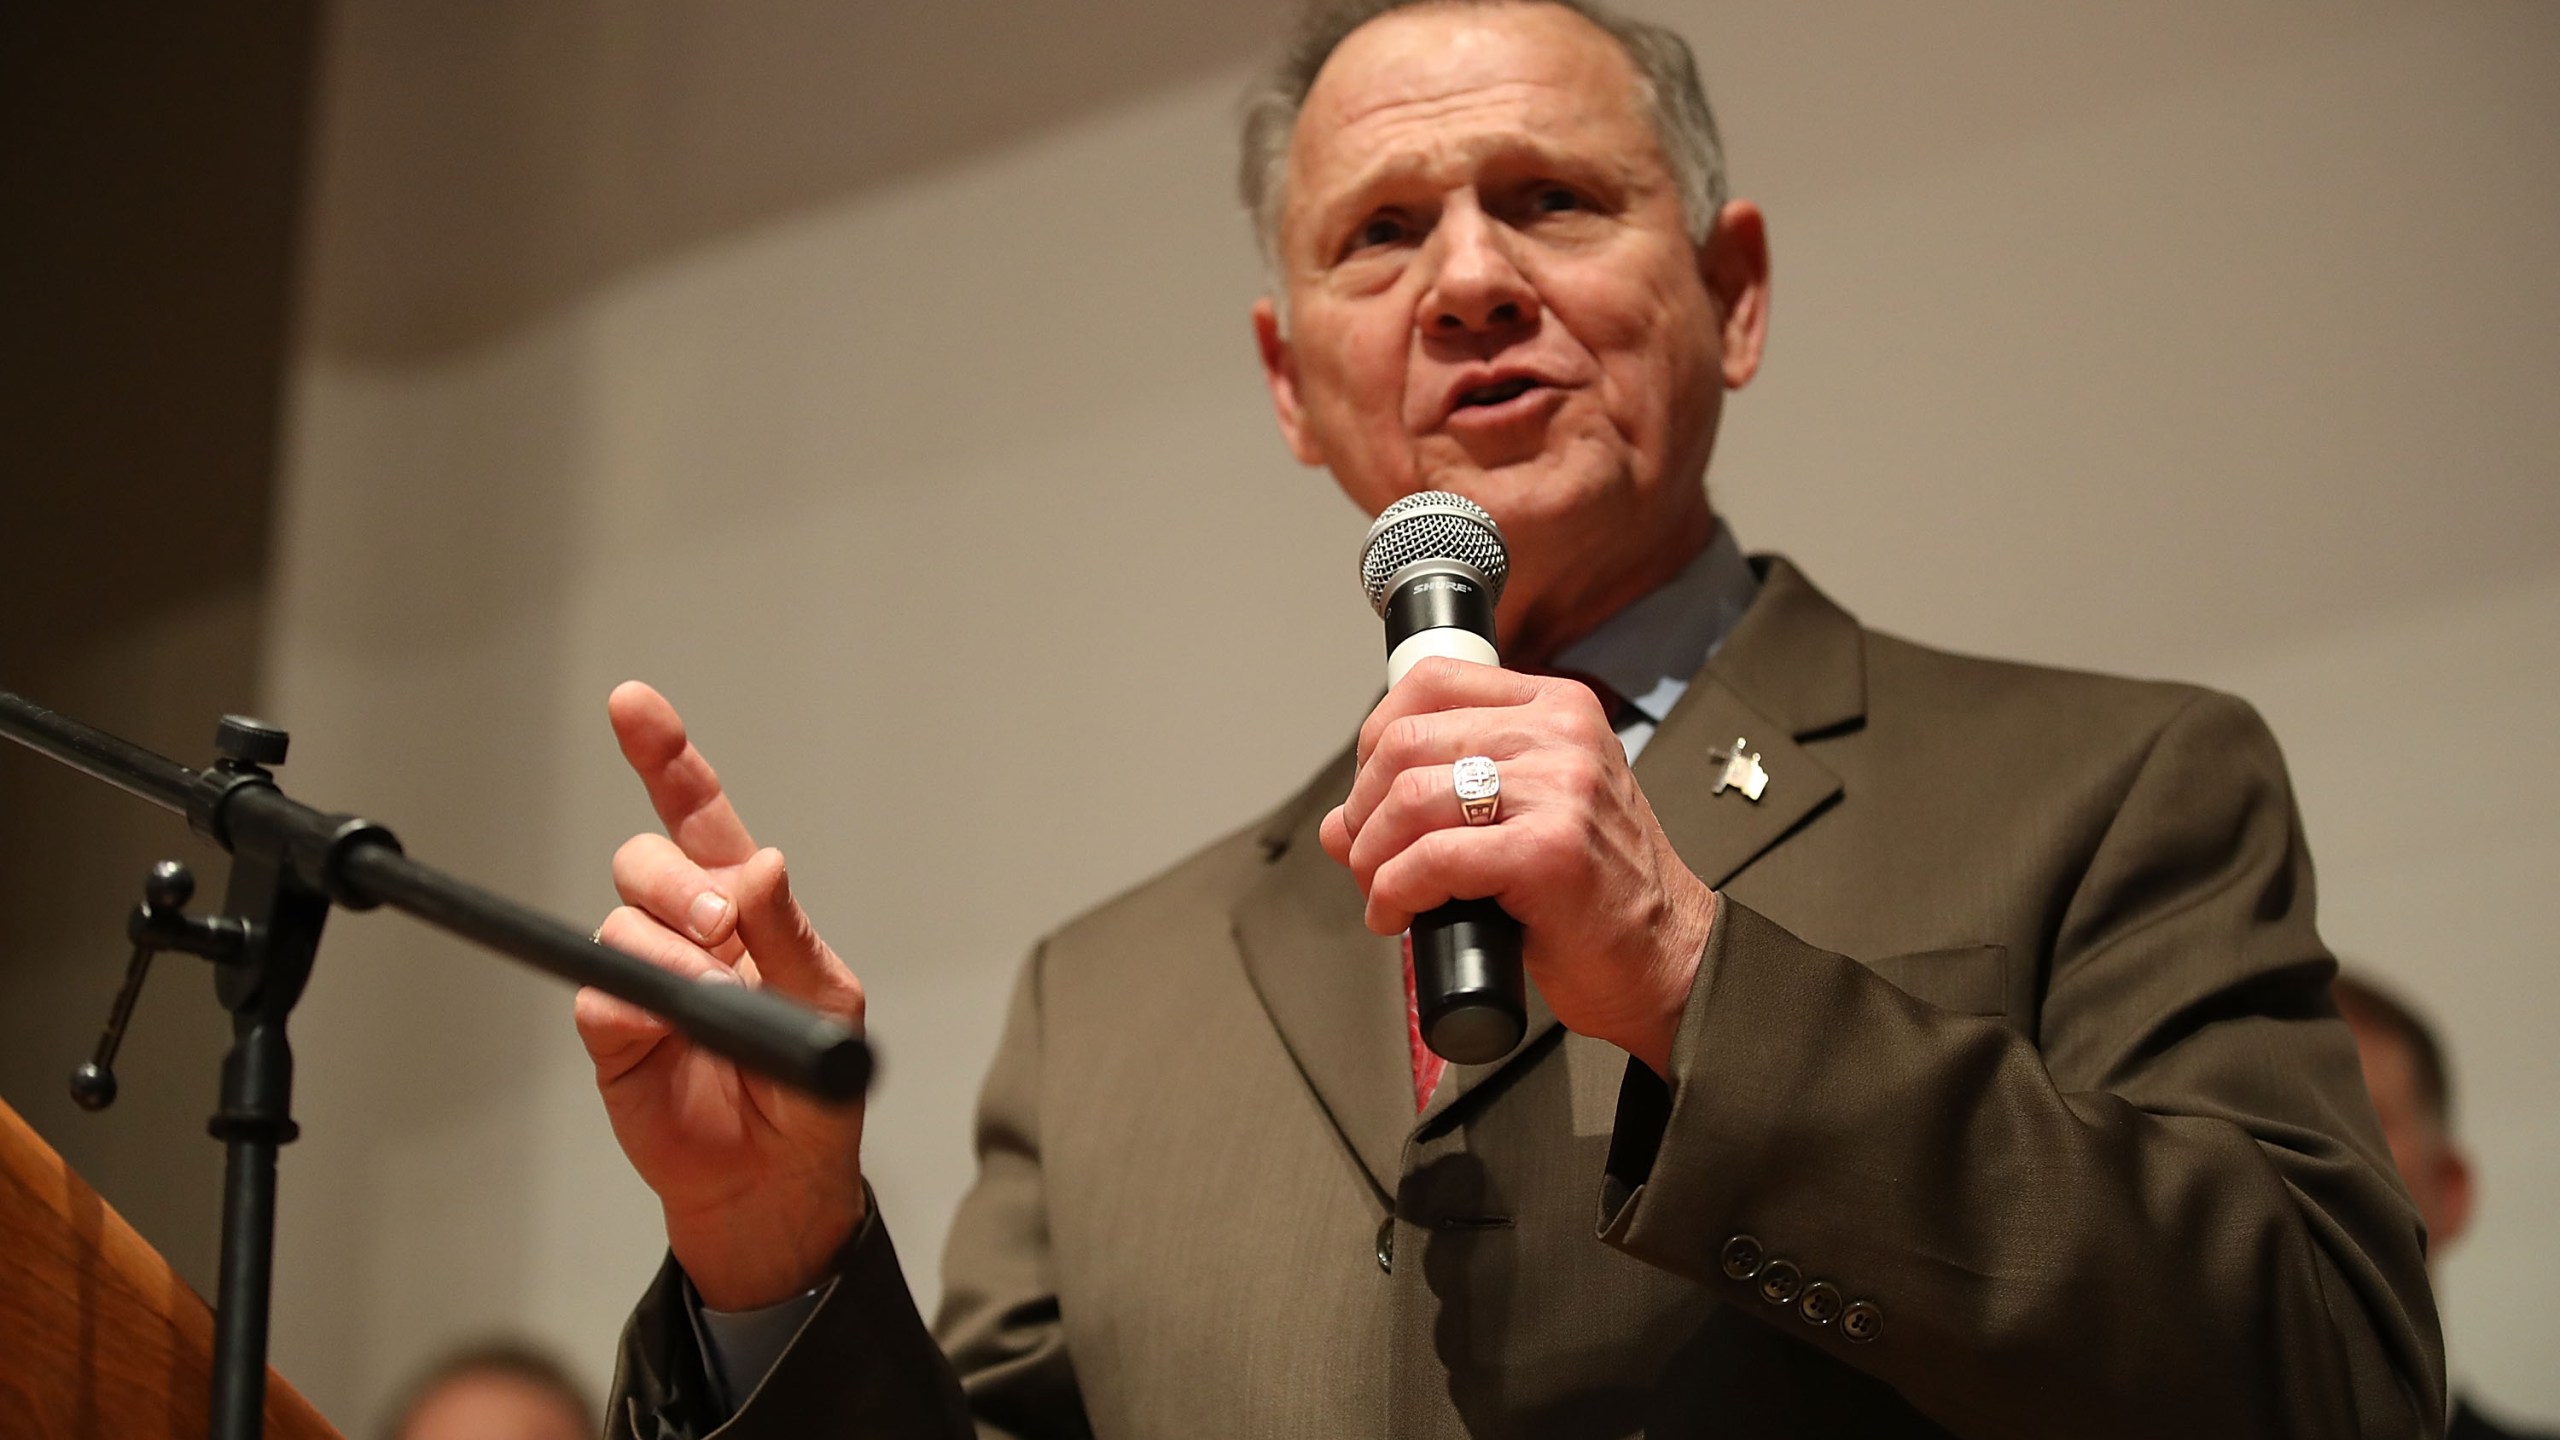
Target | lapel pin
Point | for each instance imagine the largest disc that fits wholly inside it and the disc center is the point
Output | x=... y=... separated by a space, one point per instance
x=1741 y=771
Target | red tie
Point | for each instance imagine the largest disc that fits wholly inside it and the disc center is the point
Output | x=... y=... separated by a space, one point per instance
x=1426 y=1065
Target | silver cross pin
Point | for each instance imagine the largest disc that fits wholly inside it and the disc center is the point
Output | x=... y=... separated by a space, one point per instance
x=1741 y=771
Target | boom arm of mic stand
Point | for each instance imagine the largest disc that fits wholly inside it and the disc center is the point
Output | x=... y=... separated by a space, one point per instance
x=360 y=865
x=761 y=1031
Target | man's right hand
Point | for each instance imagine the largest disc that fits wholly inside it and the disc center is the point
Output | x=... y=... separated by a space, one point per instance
x=760 y=1184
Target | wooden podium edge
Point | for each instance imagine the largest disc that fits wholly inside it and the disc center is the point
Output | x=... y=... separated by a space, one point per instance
x=99 y=1338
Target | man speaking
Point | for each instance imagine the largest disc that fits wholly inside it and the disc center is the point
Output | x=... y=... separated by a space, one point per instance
x=1916 y=1045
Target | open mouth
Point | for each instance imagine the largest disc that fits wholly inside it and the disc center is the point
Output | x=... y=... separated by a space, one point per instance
x=1496 y=393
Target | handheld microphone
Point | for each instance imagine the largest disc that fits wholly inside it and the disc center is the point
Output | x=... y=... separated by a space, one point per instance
x=1434 y=566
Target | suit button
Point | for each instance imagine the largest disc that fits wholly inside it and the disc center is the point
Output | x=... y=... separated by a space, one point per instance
x=1387 y=1245
x=1742 y=1257
x=1862 y=1322
x=1779 y=1281
x=1821 y=1303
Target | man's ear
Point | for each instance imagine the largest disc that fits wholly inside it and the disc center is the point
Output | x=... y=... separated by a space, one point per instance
x=1734 y=263
x=1280 y=372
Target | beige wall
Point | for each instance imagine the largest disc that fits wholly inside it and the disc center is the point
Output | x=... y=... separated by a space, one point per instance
x=2209 y=341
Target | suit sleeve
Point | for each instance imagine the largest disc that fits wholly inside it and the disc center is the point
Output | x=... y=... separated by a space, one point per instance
x=2160 y=1207
x=864 y=1364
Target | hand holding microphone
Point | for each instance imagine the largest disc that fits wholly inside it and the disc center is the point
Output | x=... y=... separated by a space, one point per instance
x=1564 y=874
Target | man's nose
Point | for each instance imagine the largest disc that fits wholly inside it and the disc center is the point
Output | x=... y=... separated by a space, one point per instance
x=1478 y=289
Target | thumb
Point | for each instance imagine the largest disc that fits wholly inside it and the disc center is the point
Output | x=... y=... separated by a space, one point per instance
x=790 y=958
x=1335 y=834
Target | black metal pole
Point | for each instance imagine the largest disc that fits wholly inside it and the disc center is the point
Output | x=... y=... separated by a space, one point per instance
x=282 y=914
x=95 y=753
x=258 y=1076
x=762 y=1031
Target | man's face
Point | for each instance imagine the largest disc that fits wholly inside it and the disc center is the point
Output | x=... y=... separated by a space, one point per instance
x=2429 y=1162
x=1492 y=290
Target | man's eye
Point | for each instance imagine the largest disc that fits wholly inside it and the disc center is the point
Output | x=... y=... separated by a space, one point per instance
x=1383 y=230
x=1555 y=199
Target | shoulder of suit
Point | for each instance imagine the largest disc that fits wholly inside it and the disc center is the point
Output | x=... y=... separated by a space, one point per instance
x=1984 y=680
x=1935 y=701
x=2069 y=718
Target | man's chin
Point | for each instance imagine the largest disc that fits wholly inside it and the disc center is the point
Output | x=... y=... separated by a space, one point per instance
x=1492 y=450
x=1536 y=487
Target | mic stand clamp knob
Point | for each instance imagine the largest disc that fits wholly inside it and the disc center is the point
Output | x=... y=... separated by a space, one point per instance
x=159 y=923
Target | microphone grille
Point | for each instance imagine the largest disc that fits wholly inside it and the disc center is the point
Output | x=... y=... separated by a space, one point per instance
x=1431 y=525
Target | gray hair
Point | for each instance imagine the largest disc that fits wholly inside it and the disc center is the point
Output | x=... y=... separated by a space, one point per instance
x=1666 y=72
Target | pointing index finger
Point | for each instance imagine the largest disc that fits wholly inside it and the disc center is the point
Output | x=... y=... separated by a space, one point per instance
x=682 y=786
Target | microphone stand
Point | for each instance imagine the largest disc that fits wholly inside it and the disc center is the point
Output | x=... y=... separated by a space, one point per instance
x=289 y=864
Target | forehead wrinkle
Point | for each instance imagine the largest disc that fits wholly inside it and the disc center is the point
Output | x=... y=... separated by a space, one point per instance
x=1376 y=126
x=1465 y=154
x=1461 y=152
x=1457 y=95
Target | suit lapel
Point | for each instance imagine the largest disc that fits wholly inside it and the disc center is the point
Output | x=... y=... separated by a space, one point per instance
x=1334 y=990
x=1718 y=834
x=1794 y=667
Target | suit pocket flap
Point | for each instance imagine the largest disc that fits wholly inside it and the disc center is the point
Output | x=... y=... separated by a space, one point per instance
x=1968 y=979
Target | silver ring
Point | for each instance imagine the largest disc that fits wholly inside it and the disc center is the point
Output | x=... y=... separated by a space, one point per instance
x=1479 y=788
x=598 y=937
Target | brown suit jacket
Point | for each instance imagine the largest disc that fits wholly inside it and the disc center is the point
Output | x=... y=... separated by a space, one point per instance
x=2009 y=1103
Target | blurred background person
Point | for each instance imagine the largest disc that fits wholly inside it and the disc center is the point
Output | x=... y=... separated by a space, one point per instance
x=2412 y=1086
x=495 y=1390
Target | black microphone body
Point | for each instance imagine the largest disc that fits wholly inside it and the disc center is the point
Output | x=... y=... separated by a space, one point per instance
x=1468 y=989
x=1434 y=566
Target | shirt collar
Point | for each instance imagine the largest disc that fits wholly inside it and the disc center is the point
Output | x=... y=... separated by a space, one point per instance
x=1650 y=651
